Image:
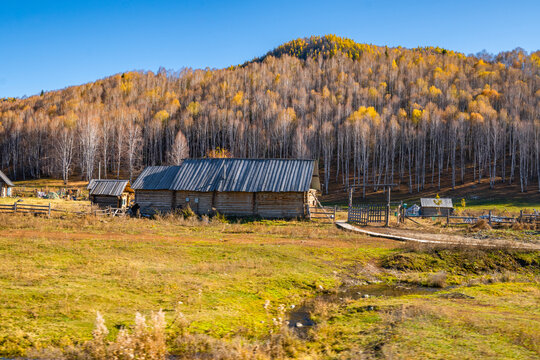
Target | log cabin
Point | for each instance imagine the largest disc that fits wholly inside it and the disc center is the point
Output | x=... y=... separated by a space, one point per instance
x=268 y=188
x=110 y=193
x=5 y=185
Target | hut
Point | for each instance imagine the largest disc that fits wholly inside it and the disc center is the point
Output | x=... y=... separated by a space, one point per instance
x=110 y=193
x=436 y=206
x=5 y=185
x=269 y=188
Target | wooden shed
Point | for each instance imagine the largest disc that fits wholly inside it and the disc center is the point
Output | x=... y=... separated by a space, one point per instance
x=269 y=188
x=110 y=193
x=435 y=206
x=5 y=185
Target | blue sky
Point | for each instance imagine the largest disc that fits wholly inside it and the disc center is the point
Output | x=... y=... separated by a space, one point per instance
x=48 y=45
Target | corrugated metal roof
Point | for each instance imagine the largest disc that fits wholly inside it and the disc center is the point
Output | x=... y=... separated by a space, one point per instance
x=109 y=187
x=437 y=203
x=245 y=175
x=156 y=178
x=91 y=184
x=6 y=179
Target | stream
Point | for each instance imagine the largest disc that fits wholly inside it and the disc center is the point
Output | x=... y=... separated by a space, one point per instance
x=300 y=319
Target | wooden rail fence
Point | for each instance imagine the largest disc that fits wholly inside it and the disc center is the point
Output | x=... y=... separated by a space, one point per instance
x=27 y=208
x=492 y=220
x=47 y=210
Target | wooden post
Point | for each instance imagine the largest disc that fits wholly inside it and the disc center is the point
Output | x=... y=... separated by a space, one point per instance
x=49 y=210
x=520 y=216
x=447 y=218
x=15 y=207
x=489 y=218
x=388 y=207
x=335 y=207
x=351 y=189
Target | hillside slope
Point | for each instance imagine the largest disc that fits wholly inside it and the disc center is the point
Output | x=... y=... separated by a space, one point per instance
x=424 y=117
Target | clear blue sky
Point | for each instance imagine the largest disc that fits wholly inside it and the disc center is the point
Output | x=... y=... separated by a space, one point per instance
x=53 y=44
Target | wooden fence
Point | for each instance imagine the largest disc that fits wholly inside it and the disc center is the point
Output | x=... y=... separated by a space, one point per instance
x=492 y=220
x=27 y=208
x=110 y=212
x=47 y=210
x=364 y=214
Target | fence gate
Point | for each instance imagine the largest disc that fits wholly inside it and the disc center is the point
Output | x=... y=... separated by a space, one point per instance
x=365 y=214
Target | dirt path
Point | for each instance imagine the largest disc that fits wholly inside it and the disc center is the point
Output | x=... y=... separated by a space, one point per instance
x=430 y=238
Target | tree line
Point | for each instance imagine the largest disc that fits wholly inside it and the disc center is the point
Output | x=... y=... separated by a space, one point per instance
x=370 y=114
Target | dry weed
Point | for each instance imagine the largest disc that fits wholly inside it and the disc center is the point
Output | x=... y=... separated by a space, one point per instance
x=437 y=280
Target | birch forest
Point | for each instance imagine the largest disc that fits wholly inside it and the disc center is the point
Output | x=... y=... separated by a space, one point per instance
x=420 y=117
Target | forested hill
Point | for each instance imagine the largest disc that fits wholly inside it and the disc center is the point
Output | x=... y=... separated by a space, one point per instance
x=371 y=114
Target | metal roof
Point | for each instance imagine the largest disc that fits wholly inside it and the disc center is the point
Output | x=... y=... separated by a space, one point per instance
x=5 y=179
x=91 y=184
x=245 y=175
x=109 y=187
x=225 y=175
x=156 y=178
x=437 y=203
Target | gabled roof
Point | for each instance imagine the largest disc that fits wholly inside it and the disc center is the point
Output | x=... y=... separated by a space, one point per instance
x=437 y=203
x=156 y=178
x=226 y=175
x=5 y=179
x=91 y=184
x=110 y=187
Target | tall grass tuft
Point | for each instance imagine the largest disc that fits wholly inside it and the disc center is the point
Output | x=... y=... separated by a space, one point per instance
x=146 y=341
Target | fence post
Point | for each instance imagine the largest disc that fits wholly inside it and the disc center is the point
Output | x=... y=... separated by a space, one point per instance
x=49 y=210
x=489 y=218
x=447 y=218
x=15 y=207
x=520 y=216
x=335 y=207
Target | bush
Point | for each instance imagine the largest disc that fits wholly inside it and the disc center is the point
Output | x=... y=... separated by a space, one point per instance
x=187 y=212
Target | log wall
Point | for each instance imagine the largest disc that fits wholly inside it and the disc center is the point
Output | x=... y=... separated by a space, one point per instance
x=104 y=201
x=264 y=204
x=161 y=200
x=234 y=203
x=200 y=202
x=280 y=205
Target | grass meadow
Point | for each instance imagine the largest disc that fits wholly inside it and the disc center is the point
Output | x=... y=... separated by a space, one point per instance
x=233 y=284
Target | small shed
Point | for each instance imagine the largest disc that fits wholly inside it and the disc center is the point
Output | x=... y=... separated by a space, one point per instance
x=436 y=206
x=269 y=188
x=111 y=193
x=5 y=185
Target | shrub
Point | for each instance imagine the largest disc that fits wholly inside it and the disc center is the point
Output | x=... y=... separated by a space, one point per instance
x=187 y=212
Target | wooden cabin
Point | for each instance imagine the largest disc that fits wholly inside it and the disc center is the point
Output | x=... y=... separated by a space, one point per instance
x=269 y=188
x=110 y=193
x=434 y=206
x=5 y=185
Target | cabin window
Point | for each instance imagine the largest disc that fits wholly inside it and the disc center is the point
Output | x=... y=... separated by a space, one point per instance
x=187 y=199
x=123 y=201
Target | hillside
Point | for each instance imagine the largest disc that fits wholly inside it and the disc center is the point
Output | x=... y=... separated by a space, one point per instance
x=427 y=118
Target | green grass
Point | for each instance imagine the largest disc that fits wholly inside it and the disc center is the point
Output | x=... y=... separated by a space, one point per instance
x=506 y=206
x=56 y=273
